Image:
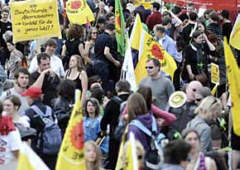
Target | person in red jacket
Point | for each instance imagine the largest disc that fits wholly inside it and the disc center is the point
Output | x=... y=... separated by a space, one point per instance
x=155 y=18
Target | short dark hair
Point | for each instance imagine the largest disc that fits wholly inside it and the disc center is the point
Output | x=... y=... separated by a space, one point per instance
x=51 y=42
x=66 y=89
x=21 y=70
x=97 y=93
x=109 y=15
x=156 y=5
x=225 y=14
x=155 y=61
x=101 y=20
x=196 y=34
x=110 y=27
x=176 y=151
x=122 y=86
x=160 y=28
x=176 y=10
x=193 y=16
x=166 y=20
x=214 y=16
x=42 y=56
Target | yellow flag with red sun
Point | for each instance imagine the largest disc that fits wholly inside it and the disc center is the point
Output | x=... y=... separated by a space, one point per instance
x=71 y=155
x=78 y=12
x=152 y=49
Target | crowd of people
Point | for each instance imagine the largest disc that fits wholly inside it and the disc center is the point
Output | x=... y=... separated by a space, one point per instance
x=177 y=122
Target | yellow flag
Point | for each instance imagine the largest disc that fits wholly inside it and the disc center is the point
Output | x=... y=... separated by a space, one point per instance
x=71 y=155
x=28 y=160
x=152 y=49
x=127 y=157
x=145 y=4
x=214 y=90
x=34 y=20
x=120 y=162
x=234 y=85
x=136 y=33
x=131 y=154
x=78 y=12
x=235 y=34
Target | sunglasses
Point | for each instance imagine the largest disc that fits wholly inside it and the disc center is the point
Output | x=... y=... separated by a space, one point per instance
x=94 y=32
x=150 y=67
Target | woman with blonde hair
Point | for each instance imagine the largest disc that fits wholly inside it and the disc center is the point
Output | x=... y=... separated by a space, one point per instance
x=77 y=74
x=92 y=156
x=209 y=109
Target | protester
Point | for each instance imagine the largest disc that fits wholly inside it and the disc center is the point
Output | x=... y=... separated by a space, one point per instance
x=77 y=74
x=155 y=18
x=11 y=106
x=92 y=156
x=176 y=155
x=137 y=109
x=63 y=104
x=15 y=59
x=210 y=108
x=163 y=118
x=197 y=158
x=10 y=142
x=45 y=79
x=21 y=84
x=91 y=120
x=167 y=42
x=111 y=117
x=89 y=46
x=55 y=61
x=154 y=80
x=192 y=36
x=73 y=45
x=106 y=57
x=41 y=117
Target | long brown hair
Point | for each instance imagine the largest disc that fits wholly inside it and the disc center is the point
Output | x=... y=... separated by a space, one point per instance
x=80 y=64
x=136 y=106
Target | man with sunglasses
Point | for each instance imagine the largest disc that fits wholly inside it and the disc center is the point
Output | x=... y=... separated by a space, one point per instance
x=161 y=86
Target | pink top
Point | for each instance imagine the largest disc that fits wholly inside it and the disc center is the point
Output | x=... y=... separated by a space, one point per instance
x=169 y=118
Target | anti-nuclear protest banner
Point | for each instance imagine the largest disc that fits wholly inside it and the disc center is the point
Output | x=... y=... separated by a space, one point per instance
x=34 y=20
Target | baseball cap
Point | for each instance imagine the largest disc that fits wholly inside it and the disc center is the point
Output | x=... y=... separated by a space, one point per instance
x=33 y=92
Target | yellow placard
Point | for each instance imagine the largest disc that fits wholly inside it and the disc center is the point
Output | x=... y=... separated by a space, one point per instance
x=34 y=20
x=215 y=73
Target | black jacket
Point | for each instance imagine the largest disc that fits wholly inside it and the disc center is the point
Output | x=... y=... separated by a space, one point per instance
x=112 y=112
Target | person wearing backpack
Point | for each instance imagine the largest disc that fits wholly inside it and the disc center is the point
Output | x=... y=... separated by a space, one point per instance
x=111 y=117
x=144 y=127
x=49 y=138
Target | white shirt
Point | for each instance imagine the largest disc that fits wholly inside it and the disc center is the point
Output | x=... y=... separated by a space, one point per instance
x=9 y=143
x=55 y=62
